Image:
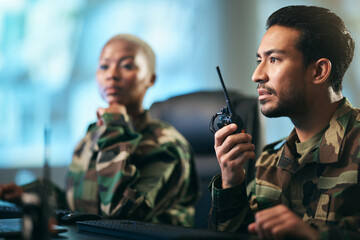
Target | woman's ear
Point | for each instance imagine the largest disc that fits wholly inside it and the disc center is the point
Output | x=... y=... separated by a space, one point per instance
x=152 y=80
x=322 y=70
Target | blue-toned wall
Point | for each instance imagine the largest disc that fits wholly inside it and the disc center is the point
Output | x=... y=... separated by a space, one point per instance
x=49 y=51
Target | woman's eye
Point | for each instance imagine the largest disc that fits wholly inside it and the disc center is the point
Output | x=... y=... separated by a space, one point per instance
x=128 y=66
x=103 y=67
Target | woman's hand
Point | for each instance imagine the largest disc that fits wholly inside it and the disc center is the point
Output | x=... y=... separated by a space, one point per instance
x=113 y=108
x=11 y=192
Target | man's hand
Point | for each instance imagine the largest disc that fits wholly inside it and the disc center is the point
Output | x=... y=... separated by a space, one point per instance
x=11 y=192
x=113 y=108
x=232 y=151
x=280 y=222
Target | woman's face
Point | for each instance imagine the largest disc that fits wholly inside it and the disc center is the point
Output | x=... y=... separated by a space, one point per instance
x=123 y=74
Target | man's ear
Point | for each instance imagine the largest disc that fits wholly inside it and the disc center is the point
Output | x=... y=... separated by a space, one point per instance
x=322 y=70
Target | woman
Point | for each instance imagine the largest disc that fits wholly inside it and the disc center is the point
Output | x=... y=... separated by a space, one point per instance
x=129 y=165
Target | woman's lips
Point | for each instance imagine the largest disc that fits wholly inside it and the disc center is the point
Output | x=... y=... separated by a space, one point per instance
x=112 y=90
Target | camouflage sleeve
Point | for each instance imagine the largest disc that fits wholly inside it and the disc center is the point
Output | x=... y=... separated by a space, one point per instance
x=132 y=184
x=230 y=209
x=348 y=213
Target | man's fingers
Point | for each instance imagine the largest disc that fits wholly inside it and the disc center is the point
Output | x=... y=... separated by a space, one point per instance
x=283 y=228
x=279 y=222
x=225 y=139
x=245 y=150
x=232 y=151
x=235 y=147
x=222 y=133
x=276 y=222
x=252 y=228
x=269 y=217
x=232 y=140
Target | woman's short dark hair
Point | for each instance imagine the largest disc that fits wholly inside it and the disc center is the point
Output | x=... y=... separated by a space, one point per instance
x=323 y=35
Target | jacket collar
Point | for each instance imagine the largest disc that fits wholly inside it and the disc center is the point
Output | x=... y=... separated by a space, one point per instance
x=332 y=142
x=329 y=148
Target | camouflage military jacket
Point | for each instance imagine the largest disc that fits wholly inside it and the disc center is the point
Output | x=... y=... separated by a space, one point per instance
x=141 y=172
x=324 y=189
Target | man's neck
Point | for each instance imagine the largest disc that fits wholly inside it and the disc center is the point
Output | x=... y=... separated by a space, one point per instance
x=317 y=118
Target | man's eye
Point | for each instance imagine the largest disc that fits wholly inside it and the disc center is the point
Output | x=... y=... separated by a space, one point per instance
x=273 y=59
x=258 y=61
x=103 y=67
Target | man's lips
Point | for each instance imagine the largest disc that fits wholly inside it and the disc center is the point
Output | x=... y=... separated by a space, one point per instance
x=264 y=93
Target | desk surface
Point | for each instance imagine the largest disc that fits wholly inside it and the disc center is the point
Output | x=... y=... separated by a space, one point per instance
x=158 y=231
x=164 y=232
x=74 y=234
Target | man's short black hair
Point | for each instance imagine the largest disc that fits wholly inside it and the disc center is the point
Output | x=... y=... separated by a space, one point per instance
x=323 y=35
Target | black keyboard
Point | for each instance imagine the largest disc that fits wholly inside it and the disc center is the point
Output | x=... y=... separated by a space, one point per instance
x=128 y=229
x=10 y=212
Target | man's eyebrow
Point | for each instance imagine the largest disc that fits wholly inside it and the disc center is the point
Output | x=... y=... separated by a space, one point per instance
x=271 y=51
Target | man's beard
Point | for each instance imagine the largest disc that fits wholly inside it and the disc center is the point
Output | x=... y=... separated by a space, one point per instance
x=291 y=106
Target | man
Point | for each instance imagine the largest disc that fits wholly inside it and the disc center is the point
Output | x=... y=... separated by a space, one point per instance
x=128 y=165
x=308 y=187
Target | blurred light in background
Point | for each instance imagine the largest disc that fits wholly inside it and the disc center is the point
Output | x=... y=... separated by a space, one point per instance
x=49 y=51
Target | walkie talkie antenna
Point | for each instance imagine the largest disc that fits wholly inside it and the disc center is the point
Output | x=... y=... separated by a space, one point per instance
x=228 y=102
x=227 y=114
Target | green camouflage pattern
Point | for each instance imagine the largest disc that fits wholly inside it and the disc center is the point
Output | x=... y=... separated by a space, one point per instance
x=142 y=170
x=324 y=189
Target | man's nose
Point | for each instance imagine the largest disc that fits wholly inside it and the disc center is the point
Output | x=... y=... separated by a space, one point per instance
x=260 y=73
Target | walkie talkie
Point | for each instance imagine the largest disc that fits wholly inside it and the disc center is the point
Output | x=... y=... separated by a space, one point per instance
x=227 y=114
